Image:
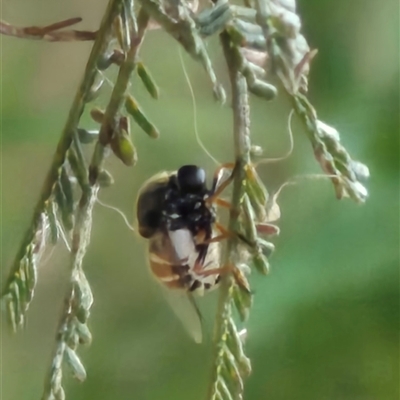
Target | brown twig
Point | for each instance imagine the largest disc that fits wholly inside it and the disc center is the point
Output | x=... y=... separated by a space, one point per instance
x=50 y=33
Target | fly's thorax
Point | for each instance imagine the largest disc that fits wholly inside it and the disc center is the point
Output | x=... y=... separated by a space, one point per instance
x=172 y=201
x=189 y=211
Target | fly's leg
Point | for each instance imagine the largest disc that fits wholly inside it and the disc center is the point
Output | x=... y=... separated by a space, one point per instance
x=263 y=228
x=215 y=271
x=238 y=275
x=224 y=234
x=222 y=203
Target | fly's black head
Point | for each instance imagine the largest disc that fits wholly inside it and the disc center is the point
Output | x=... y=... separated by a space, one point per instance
x=191 y=179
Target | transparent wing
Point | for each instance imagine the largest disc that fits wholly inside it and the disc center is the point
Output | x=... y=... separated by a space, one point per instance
x=178 y=249
x=185 y=308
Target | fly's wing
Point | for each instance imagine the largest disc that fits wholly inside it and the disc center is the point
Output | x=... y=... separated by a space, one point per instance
x=185 y=308
x=183 y=247
x=183 y=302
x=183 y=252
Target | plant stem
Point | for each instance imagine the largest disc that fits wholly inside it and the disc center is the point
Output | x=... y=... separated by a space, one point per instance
x=80 y=242
x=65 y=141
x=51 y=32
x=241 y=137
x=119 y=92
x=82 y=229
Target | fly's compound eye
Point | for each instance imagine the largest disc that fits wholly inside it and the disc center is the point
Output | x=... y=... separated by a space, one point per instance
x=191 y=179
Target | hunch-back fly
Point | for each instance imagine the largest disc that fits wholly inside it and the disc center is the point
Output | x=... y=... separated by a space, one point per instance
x=176 y=213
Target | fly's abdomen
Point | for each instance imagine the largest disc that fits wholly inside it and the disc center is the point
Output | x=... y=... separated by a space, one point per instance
x=164 y=264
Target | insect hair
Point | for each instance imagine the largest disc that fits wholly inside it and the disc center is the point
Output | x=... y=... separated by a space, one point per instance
x=196 y=132
x=203 y=146
x=297 y=179
x=118 y=211
x=291 y=146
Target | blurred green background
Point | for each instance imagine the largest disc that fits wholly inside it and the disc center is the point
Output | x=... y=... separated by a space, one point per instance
x=325 y=322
